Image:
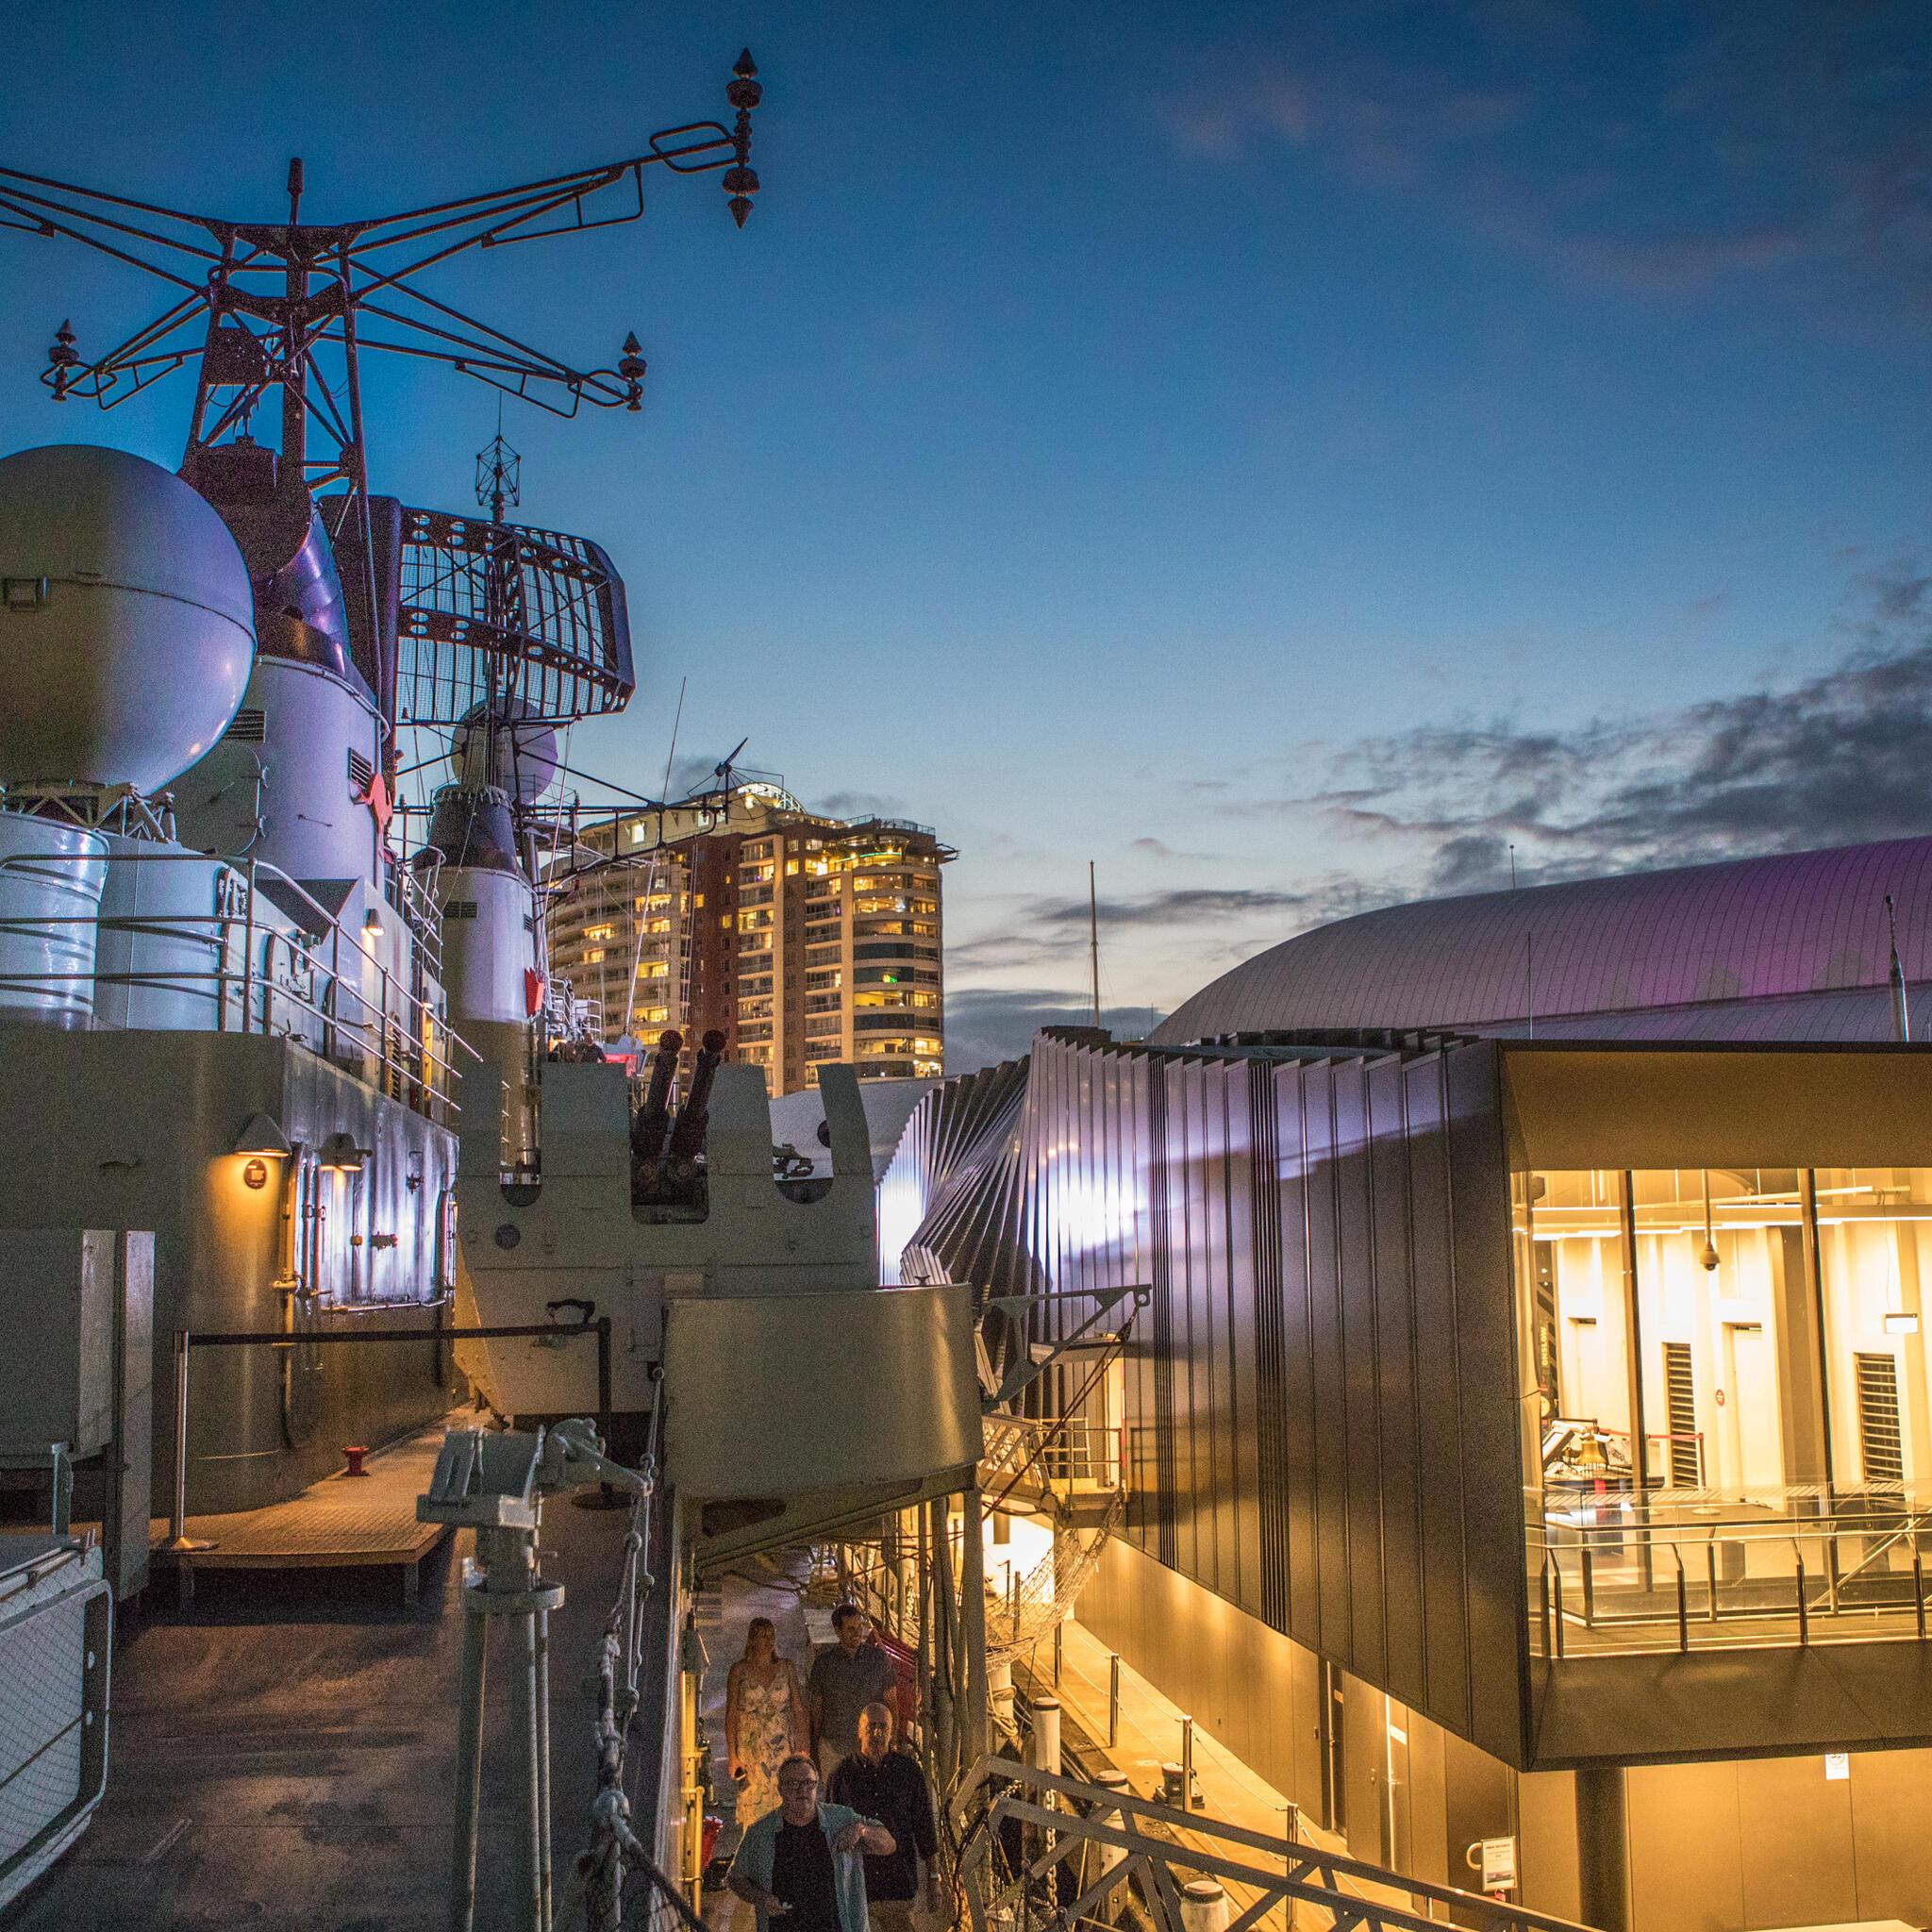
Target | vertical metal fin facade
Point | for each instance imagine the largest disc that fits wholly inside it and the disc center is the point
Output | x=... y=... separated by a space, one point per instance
x=1320 y=1399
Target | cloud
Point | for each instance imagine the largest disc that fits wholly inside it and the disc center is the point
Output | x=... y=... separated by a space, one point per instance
x=986 y=1024
x=1191 y=906
x=1663 y=148
x=1156 y=848
x=1836 y=758
x=860 y=804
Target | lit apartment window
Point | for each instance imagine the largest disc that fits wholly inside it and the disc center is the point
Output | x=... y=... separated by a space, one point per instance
x=597 y=932
x=593 y=956
x=791 y=868
x=828 y=977
x=653 y=968
x=653 y=1016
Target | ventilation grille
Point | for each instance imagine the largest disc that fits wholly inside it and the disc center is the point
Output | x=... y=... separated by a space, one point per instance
x=1879 y=1445
x=361 y=773
x=248 y=726
x=1680 y=1401
x=460 y=909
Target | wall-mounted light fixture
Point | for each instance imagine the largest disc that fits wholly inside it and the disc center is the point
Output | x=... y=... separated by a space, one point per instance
x=371 y=924
x=340 y=1153
x=1902 y=1322
x=262 y=1134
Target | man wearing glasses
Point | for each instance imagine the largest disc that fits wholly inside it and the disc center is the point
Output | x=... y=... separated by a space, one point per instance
x=802 y=1867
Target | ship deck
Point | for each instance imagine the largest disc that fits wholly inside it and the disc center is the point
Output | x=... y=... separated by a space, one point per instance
x=342 y=1522
x=283 y=1749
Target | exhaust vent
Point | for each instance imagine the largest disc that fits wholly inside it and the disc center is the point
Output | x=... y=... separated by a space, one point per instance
x=249 y=726
x=361 y=773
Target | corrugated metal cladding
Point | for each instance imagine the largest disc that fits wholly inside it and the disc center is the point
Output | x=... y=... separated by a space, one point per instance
x=1319 y=1401
x=1728 y=939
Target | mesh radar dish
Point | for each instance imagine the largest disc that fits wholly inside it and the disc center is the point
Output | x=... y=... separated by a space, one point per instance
x=127 y=620
x=517 y=753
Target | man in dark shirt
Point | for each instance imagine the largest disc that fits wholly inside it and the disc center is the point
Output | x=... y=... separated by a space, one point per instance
x=799 y=1866
x=879 y=1782
x=845 y=1679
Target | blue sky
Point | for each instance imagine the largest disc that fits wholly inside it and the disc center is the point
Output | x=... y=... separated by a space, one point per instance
x=1284 y=454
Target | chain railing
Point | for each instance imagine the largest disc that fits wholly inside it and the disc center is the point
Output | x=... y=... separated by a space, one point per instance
x=616 y=1882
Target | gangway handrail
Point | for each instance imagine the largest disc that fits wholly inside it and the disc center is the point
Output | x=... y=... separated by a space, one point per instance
x=1070 y=1813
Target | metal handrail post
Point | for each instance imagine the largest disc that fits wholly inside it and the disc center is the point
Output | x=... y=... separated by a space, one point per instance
x=1804 y=1623
x=248 y=955
x=1919 y=1587
x=1113 y=1698
x=1683 y=1603
x=178 y=1539
x=1588 y=1588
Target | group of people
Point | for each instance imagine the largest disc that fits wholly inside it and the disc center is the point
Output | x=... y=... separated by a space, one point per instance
x=836 y=1818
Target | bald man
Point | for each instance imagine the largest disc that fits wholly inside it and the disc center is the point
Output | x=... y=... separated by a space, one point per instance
x=882 y=1783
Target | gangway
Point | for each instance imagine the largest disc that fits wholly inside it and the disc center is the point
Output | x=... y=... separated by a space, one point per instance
x=1038 y=1848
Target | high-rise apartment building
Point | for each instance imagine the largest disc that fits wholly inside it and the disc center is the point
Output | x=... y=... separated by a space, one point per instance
x=803 y=938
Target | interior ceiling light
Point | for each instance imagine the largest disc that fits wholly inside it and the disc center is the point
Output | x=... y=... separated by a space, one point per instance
x=262 y=1134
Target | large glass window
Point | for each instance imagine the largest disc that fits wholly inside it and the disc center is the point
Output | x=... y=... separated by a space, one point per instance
x=1723 y=1317
x=1580 y=1326
x=1875 y=1253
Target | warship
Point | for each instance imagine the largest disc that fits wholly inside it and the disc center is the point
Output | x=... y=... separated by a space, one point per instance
x=296 y=1163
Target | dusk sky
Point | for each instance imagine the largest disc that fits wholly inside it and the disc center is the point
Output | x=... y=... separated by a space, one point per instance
x=1284 y=454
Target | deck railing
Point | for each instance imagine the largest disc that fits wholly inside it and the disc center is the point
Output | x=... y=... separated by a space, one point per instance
x=1694 y=1570
x=298 y=975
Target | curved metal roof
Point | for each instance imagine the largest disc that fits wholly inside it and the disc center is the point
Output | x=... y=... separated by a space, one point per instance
x=1645 y=946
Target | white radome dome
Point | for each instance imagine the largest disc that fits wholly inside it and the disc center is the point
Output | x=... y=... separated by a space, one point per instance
x=127 y=620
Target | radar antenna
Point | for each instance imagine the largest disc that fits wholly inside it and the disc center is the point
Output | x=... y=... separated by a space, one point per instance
x=291 y=306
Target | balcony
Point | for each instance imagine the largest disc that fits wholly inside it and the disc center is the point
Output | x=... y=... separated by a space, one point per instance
x=1693 y=1570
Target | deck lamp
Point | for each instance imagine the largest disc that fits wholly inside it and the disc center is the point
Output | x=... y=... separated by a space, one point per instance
x=340 y=1153
x=261 y=1135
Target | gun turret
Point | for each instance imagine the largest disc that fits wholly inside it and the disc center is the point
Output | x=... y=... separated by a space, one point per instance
x=687 y=1136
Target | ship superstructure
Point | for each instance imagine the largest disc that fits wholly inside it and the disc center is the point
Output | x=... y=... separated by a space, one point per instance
x=281 y=1052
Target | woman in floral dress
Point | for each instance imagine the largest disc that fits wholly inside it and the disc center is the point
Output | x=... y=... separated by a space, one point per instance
x=764 y=1718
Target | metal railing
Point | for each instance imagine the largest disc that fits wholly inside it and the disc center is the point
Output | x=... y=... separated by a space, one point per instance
x=1794 y=1567
x=1068 y=1451
x=186 y=1341
x=1088 y=1855
x=266 y=974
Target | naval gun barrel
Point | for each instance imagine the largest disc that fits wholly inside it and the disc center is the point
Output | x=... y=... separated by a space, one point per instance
x=687 y=1136
x=653 y=1119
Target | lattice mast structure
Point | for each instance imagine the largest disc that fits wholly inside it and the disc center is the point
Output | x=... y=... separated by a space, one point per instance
x=291 y=307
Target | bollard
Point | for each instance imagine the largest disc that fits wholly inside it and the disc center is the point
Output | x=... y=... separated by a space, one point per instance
x=999 y=1689
x=1045 y=1753
x=1171 y=1789
x=1204 y=1906
x=1115 y=1781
